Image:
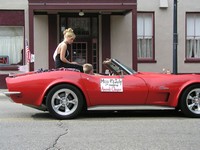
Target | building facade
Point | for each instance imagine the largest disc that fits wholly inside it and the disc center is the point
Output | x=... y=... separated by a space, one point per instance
x=162 y=30
x=137 y=32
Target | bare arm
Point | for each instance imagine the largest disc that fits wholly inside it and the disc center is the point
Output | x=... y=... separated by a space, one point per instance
x=63 y=50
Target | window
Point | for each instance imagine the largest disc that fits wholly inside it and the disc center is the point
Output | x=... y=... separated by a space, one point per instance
x=11 y=39
x=11 y=45
x=85 y=47
x=193 y=36
x=81 y=26
x=145 y=41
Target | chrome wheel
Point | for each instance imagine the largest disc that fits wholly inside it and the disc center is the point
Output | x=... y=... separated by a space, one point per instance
x=64 y=102
x=193 y=101
x=190 y=101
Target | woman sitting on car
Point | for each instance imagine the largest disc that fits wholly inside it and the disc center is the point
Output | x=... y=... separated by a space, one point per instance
x=61 y=53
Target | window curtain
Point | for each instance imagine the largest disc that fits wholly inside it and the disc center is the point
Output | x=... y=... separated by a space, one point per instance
x=11 y=47
x=144 y=36
x=193 y=48
x=11 y=43
x=193 y=36
x=144 y=48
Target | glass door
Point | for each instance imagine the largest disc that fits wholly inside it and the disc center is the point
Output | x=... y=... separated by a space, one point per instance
x=85 y=47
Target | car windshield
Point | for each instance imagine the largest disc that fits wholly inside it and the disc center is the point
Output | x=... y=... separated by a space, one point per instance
x=122 y=66
x=117 y=67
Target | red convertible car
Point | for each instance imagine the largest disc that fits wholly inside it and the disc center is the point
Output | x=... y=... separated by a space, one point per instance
x=66 y=92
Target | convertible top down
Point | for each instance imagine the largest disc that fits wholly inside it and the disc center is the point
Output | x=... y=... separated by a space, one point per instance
x=66 y=92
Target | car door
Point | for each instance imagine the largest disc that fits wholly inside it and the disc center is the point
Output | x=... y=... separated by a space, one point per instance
x=115 y=90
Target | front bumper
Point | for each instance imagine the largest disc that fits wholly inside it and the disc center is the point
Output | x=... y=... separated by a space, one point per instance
x=8 y=94
x=11 y=93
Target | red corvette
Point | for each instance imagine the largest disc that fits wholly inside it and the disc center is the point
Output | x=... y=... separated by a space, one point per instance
x=66 y=92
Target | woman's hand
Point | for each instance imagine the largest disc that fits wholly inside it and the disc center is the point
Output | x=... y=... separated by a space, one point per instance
x=74 y=62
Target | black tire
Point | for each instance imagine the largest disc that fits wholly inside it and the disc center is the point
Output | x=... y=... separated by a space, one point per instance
x=64 y=101
x=190 y=101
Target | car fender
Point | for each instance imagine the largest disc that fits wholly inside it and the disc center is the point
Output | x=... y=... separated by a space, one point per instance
x=78 y=84
x=182 y=88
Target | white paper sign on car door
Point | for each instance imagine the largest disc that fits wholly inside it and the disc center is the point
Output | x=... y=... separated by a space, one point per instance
x=111 y=85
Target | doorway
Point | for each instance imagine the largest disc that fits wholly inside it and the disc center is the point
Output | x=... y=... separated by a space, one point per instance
x=85 y=47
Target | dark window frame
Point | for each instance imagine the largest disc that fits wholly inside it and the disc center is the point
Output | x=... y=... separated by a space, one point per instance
x=12 y=18
x=149 y=60
x=189 y=60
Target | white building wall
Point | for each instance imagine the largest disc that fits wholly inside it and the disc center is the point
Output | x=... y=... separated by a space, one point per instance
x=41 y=42
x=121 y=38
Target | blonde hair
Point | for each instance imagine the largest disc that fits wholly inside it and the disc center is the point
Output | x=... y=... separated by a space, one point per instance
x=87 y=68
x=69 y=33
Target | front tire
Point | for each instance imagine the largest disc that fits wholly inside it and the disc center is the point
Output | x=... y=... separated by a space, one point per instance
x=64 y=101
x=190 y=101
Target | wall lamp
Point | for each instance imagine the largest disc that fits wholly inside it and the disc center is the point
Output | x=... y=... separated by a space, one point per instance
x=81 y=13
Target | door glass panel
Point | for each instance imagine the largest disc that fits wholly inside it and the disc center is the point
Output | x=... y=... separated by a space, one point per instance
x=94 y=55
x=81 y=26
x=94 y=27
x=79 y=52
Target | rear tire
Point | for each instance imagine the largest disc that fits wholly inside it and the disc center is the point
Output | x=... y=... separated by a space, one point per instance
x=190 y=101
x=64 y=101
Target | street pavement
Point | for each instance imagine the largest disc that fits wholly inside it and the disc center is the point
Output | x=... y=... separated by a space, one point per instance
x=26 y=128
x=1 y=92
